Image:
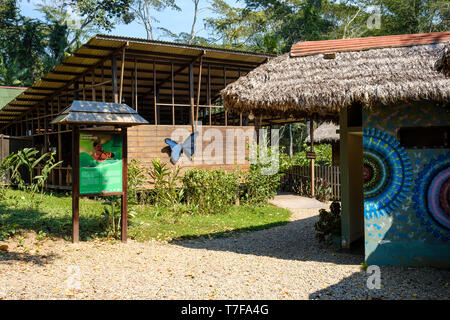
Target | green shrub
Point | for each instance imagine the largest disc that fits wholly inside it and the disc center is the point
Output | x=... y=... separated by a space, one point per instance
x=136 y=180
x=329 y=223
x=323 y=157
x=166 y=184
x=213 y=191
x=258 y=188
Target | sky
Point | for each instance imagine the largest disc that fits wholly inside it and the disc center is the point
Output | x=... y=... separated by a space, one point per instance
x=175 y=21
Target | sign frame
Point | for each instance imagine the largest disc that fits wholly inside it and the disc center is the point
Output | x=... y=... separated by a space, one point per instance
x=76 y=182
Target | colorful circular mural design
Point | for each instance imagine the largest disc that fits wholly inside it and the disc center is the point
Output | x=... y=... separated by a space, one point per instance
x=432 y=201
x=386 y=173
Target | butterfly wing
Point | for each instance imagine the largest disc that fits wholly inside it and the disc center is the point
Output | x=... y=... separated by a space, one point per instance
x=176 y=150
x=189 y=144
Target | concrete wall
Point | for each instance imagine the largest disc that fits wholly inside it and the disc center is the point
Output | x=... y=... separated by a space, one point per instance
x=406 y=191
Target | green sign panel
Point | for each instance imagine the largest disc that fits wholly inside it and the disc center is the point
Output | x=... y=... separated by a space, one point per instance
x=100 y=162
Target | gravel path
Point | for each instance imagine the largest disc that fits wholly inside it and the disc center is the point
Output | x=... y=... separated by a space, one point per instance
x=278 y=263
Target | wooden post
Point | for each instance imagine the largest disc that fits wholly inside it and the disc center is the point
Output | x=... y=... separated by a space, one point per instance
x=311 y=135
x=208 y=93
x=199 y=90
x=172 y=93
x=191 y=93
x=94 y=98
x=224 y=85
x=124 y=219
x=84 y=87
x=103 y=86
x=154 y=93
x=135 y=84
x=122 y=70
x=75 y=184
x=114 y=79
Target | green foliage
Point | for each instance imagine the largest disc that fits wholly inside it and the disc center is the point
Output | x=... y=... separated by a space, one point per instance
x=213 y=191
x=364 y=266
x=274 y=25
x=7 y=231
x=323 y=157
x=31 y=47
x=322 y=191
x=258 y=187
x=54 y=219
x=5 y=167
x=136 y=180
x=166 y=184
x=28 y=160
x=112 y=215
x=329 y=223
x=164 y=226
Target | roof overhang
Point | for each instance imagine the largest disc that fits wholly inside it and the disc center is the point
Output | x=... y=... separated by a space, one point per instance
x=144 y=55
x=99 y=114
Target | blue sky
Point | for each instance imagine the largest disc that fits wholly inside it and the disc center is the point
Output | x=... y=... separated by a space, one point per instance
x=173 y=20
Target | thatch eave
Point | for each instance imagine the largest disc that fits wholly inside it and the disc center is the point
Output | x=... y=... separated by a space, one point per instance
x=312 y=85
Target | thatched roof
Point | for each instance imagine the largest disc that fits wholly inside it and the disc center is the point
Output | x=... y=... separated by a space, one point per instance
x=325 y=133
x=324 y=83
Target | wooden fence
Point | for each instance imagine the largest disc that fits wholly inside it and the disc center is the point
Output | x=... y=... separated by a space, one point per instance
x=300 y=177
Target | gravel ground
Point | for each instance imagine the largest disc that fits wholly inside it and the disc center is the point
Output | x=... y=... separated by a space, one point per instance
x=278 y=263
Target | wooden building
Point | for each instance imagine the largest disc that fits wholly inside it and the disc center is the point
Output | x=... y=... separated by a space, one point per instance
x=171 y=85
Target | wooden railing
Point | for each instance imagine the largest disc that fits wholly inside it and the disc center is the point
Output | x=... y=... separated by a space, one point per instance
x=324 y=175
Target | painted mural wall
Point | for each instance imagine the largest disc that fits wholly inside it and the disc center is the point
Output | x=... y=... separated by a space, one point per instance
x=406 y=191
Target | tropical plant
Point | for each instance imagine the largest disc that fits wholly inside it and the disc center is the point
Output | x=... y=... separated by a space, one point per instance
x=136 y=180
x=5 y=167
x=28 y=159
x=322 y=191
x=329 y=223
x=112 y=215
x=166 y=184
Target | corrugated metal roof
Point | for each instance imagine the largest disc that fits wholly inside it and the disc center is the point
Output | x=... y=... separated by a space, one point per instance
x=102 y=47
x=9 y=93
x=358 y=44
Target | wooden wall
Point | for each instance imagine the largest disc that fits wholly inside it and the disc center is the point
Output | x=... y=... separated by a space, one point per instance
x=146 y=143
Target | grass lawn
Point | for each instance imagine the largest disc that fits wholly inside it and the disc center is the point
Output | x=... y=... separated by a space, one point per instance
x=54 y=218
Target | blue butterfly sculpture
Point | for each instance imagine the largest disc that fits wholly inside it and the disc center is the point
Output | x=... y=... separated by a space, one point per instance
x=188 y=147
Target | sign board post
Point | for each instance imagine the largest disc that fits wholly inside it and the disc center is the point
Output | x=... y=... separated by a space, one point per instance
x=99 y=169
x=124 y=220
x=99 y=156
x=75 y=184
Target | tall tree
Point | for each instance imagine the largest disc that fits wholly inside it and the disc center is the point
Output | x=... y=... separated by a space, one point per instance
x=143 y=11
x=192 y=36
x=31 y=47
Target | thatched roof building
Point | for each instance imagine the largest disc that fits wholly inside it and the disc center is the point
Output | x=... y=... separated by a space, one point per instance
x=321 y=77
x=325 y=133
